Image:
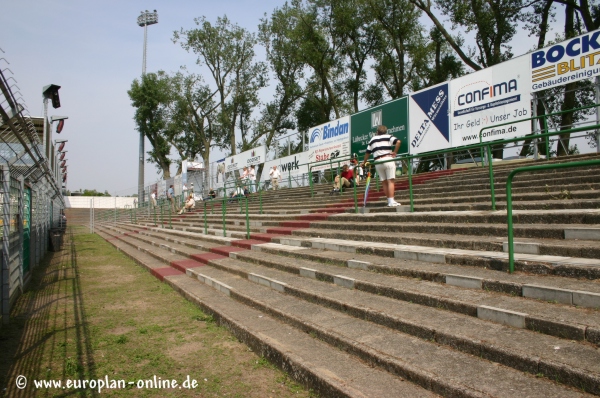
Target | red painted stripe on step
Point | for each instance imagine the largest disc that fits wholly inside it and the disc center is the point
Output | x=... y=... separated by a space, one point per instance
x=182 y=265
x=204 y=258
x=112 y=239
x=160 y=273
x=225 y=250
x=247 y=243
x=265 y=237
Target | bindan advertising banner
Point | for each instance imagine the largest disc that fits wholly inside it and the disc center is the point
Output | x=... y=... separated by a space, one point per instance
x=486 y=98
x=429 y=120
x=254 y=156
x=329 y=141
x=569 y=61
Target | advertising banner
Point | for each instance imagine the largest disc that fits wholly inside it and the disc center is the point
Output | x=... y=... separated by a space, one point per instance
x=254 y=156
x=491 y=96
x=329 y=141
x=429 y=120
x=571 y=60
x=393 y=115
x=293 y=165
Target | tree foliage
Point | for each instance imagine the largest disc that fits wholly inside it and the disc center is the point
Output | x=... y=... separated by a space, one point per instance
x=324 y=59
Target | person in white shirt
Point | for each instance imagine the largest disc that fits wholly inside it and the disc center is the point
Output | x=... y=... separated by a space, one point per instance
x=252 y=178
x=189 y=205
x=275 y=177
x=381 y=147
x=153 y=198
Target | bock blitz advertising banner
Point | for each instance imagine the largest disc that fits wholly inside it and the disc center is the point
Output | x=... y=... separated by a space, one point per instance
x=393 y=115
x=252 y=157
x=571 y=60
x=293 y=165
x=429 y=120
x=329 y=141
x=486 y=98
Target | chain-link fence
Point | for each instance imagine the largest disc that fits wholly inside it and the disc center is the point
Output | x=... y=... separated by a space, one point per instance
x=30 y=192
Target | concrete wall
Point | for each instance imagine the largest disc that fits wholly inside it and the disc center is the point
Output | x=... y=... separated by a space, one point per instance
x=100 y=202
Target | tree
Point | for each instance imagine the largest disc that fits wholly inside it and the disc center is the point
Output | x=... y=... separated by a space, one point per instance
x=192 y=129
x=152 y=97
x=400 y=49
x=227 y=50
x=288 y=69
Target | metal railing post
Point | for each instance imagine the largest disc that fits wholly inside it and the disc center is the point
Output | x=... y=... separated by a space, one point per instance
x=170 y=210
x=205 y=223
x=247 y=221
x=511 y=175
x=162 y=221
x=491 y=170
x=410 y=187
x=224 y=210
x=310 y=182
x=260 y=201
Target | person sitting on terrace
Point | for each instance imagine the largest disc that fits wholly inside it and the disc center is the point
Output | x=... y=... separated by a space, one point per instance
x=211 y=194
x=346 y=177
x=189 y=204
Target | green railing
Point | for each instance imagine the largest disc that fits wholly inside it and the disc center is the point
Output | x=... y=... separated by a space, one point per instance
x=511 y=175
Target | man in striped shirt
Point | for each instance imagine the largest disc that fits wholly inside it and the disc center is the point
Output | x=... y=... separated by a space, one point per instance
x=381 y=147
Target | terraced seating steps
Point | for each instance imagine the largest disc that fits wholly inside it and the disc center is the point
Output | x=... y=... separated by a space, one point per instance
x=413 y=303
x=451 y=323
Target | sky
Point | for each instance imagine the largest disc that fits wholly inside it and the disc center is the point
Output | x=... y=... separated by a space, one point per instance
x=93 y=50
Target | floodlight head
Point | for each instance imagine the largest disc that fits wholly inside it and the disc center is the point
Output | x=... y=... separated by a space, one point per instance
x=51 y=91
x=147 y=18
x=61 y=146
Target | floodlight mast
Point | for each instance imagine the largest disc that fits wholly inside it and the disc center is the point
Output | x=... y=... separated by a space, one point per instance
x=146 y=18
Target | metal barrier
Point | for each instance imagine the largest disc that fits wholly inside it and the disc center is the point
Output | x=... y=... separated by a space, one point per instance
x=511 y=175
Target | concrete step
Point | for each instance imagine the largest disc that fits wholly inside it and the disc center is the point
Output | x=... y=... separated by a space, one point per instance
x=574 y=323
x=421 y=361
x=316 y=365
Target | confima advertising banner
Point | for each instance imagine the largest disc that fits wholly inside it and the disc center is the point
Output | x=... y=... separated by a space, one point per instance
x=571 y=60
x=254 y=156
x=393 y=114
x=429 y=119
x=486 y=98
x=329 y=141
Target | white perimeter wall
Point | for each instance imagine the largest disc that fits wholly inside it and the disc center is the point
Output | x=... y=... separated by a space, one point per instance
x=100 y=202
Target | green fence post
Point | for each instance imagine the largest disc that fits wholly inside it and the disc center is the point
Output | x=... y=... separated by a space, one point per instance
x=205 y=223
x=289 y=178
x=155 y=216
x=260 y=201
x=547 y=141
x=410 y=187
x=170 y=224
x=131 y=215
x=247 y=221
x=310 y=181
x=162 y=220
x=491 y=169
x=224 y=210
x=509 y=223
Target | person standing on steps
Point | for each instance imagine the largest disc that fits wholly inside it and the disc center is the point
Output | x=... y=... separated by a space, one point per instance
x=171 y=197
x=252 y=178
x=384 y=146
x=275 y=177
